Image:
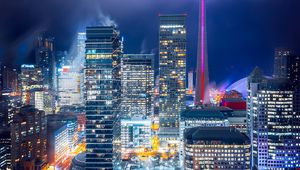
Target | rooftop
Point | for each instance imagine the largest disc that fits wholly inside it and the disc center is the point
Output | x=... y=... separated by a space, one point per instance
x=227 y=135
x=202 y=114
x=4 y=133
x=78 y=161
x=233 y=100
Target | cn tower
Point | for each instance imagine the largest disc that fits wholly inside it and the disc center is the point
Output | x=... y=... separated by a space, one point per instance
x=202 y=79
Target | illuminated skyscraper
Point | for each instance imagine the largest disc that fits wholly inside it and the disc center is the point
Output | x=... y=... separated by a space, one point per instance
x=273 y=122
x=172 y=69
x=32 y=86
x=137 y=84
x=103 y=94
x=202 y=79
x=45 y=59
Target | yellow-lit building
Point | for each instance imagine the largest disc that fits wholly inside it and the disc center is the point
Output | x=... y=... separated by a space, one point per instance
x=137 y=82
x=172 y=74
x=216 y=148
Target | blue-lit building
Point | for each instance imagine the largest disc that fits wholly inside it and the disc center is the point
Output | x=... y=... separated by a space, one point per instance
x=70 y=120
x=57 y=145
x=273 y=122
x=102 y=97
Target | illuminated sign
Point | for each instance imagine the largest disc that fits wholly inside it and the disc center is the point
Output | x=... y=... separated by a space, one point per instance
x=27 y=66
x=171 y=26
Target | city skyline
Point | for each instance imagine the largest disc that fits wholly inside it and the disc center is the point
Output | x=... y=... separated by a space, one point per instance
x=95 y=92
x=266 y=33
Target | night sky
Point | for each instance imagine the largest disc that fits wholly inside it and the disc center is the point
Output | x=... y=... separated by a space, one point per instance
x=241 y=34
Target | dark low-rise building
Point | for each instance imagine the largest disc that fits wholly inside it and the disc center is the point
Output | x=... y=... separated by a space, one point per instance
x=28 y=136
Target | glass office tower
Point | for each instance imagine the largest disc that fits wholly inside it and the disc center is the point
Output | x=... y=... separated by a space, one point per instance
x=137 y=84
x=102 y=97
x=273 y=122
x=172 y=69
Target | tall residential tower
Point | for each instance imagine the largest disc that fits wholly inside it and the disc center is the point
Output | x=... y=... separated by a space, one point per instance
x=172 y=72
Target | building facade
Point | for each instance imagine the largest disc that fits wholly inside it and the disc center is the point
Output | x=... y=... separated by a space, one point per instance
x=216 y=148
x=5 y=149
x=172 y=69
x=28 y=136
x=103 y=94
x=32 y=86
x=137 y=84
x=273 y=122
x=58 y=144
x=68 y=87
x=70 y=120
x=45 y=59
x=287 y=66
x=135 y=133
x=80 y=60
x=199 y=118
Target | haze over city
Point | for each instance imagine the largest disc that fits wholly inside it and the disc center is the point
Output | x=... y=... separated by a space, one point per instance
x=240 y=32
x=150 y=84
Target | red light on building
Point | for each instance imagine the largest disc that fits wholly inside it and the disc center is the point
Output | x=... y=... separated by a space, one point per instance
x=66 y=69
x=235 y=104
